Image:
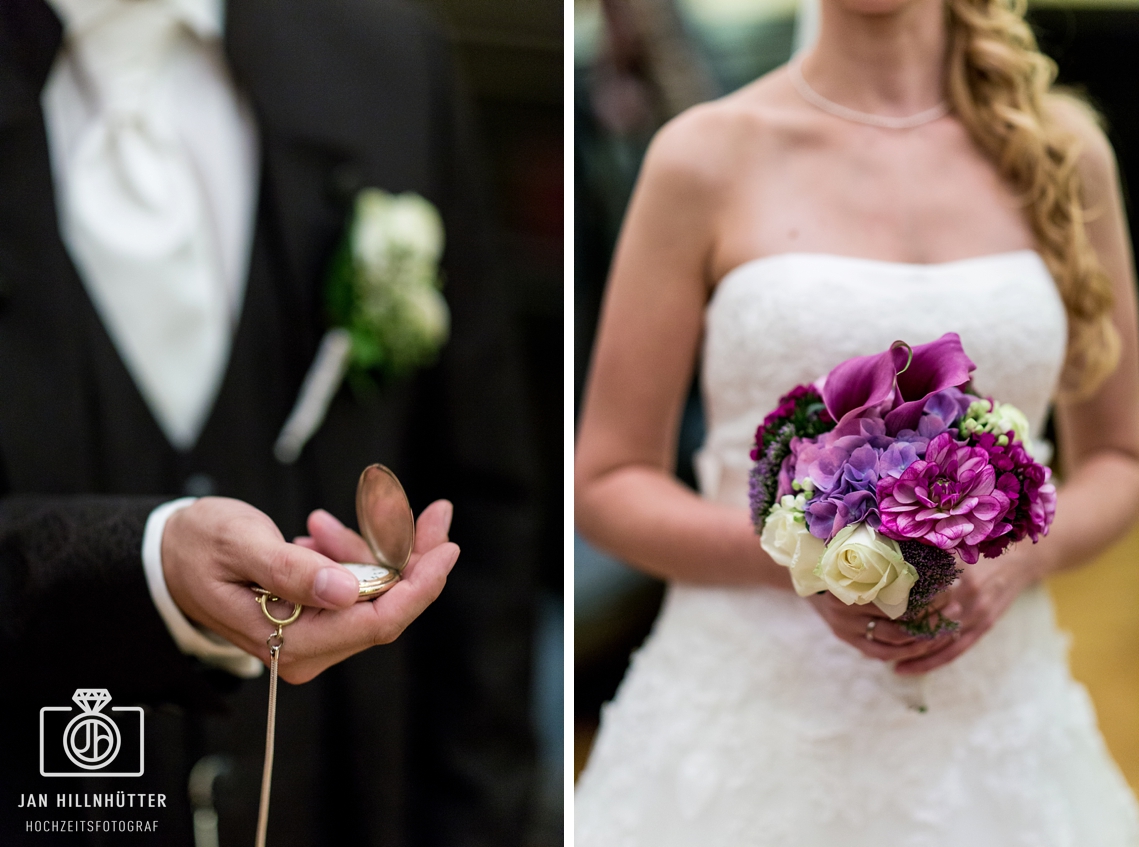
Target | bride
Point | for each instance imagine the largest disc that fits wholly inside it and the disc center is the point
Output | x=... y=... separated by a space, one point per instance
x=913 y=175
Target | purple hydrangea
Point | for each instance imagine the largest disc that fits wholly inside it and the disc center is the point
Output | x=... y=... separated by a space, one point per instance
x=851 y=497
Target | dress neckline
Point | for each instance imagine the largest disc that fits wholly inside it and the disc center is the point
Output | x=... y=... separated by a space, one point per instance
x=883 y=264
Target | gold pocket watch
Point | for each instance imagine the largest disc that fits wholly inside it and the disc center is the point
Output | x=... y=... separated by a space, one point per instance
x=388 y=528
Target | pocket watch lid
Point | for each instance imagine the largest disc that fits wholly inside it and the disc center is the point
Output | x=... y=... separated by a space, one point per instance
x=385 y=517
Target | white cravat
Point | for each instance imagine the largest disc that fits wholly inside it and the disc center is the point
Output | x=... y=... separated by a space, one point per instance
x=155 y=164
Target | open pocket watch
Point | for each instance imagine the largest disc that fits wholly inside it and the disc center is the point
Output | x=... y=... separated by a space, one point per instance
x=387 y=526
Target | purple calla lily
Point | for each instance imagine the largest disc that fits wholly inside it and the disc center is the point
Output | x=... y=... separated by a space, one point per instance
x=936 y=366
x=862 y=385
x=884 y=383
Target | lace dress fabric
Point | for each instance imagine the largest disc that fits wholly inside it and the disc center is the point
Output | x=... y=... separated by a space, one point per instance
x=743 y=721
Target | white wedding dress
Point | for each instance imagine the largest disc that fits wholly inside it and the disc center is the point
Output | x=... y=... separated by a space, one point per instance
x=744 y=721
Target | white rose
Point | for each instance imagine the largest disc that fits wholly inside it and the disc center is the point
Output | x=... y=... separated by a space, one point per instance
x=427 y=312
x=384 y=223
x=370 y=230
x=860 y=566
x=789 y=543
x=416 y=226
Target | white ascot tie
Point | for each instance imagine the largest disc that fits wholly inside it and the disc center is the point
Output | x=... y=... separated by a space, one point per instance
x=154 y=160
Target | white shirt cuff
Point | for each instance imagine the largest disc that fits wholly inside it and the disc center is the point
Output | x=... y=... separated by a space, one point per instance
x=192 y=640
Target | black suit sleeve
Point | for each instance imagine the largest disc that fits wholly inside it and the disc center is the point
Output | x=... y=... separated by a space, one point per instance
x=75 y=609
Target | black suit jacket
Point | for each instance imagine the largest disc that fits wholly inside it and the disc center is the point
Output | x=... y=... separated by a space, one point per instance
x=425 y=741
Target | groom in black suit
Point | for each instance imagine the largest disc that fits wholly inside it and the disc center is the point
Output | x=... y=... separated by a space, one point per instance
x=422 y=741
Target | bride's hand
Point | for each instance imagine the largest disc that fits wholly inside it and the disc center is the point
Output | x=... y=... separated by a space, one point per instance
x=890 y=643
x=976 y=601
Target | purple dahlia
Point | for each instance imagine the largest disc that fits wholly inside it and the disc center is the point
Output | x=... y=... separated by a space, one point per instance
x=949 y=499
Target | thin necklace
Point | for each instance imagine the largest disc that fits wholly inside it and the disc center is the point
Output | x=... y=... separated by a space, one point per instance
x=839 y=111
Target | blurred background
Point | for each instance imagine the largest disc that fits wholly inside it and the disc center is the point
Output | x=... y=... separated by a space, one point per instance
x=510 y=56
x=637 y=63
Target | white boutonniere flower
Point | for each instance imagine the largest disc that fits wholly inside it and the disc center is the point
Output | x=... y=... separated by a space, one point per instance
x=385 y=305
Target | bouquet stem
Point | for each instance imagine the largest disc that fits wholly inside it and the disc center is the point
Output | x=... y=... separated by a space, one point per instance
x=909 y=688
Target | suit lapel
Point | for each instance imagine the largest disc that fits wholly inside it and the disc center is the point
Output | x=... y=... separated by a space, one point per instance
x=46 y=407
x=30 y=35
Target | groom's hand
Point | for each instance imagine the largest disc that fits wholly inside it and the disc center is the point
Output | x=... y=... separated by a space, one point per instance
x=216 y=548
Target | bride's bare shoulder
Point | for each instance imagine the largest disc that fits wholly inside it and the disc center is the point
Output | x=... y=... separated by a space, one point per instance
x=1096 y=164
x=706 y=146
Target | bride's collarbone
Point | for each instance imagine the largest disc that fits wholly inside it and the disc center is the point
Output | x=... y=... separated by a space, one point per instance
x=923 y=223
x=922 y=197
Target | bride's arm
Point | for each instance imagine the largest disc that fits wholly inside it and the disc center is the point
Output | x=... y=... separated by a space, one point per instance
x=627 y=499
x=1099 y=438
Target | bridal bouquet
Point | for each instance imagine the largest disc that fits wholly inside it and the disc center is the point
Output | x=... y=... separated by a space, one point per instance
x=877 y=480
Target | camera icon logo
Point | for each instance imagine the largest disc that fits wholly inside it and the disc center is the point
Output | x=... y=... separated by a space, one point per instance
x=91 y=742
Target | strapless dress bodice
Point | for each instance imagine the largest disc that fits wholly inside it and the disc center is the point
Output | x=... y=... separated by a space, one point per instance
x=780 y=321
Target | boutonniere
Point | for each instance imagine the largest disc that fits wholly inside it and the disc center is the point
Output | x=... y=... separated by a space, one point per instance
x=386 y=310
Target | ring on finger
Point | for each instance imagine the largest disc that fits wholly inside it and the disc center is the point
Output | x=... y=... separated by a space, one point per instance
x=870 y=624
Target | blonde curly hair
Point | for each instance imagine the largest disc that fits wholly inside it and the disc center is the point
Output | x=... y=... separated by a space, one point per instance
x=1000 y=87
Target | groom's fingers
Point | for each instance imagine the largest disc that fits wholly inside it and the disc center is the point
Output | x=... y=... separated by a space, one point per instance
x=415 y=591
x=220 y=540
x=433 y=526
x=431 y=530
x=304 y=576
x=335 y=540
x=323 y=638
